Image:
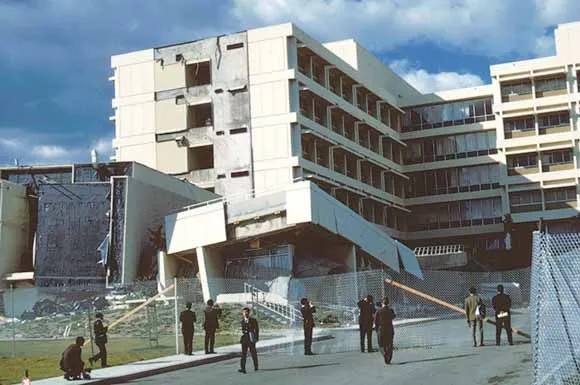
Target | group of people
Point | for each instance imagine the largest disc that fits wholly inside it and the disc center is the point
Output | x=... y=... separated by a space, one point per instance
x=475 y=311
x=382 y=321
x=210 y=324
x=369 y=319
x=71 y=362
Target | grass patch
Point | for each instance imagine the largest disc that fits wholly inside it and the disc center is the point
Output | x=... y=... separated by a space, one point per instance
x=41 y=357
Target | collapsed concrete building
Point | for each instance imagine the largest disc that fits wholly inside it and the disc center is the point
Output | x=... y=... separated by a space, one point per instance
x=96 y=223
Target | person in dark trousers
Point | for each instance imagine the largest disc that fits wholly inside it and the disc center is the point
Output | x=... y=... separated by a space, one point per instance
x=365 y=321
x=71 y=362
x=188 y=320
x=385 y=330
x=501 y=305
x=210 y=325
x=307 y=311
x=101 y=340
x=474 y=318
x=250 y=336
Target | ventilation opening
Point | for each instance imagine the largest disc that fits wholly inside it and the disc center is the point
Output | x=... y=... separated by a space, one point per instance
x=230 y=47
x=239 y=174
x=198 y=74
x=240 y=130
x=221 y=176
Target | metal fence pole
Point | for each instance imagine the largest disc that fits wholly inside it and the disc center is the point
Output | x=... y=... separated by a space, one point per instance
x=176 y=315
x=13 y=322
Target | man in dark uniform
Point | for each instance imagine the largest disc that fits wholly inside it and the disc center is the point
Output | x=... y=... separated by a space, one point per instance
x=71 y=362
x=188 y=320
x=210 y=325
x=365 y=321
x=250 y=336
x=501 y=304
x=474 y=318
x=101 y=340
x=307 y=311
x=385 y=330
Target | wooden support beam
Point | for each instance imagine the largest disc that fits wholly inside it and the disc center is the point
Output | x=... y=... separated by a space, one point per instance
x=440 y=302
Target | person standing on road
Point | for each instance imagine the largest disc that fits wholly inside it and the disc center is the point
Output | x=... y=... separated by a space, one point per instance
x=503 y=319
x=365 y=321
x=475 y=314
x=307 y=311
x=101 y=340
x=385 y=330
x=210 y=325
x=249 y=338
x=188 y=320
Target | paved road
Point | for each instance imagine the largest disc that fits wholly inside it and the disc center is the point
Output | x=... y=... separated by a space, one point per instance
x=433 y=353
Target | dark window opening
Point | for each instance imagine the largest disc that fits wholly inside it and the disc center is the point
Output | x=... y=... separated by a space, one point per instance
x=200 y=158
x=240 y=130
x=239 y=174
x=230 y=47
x=199 y=116
x=198 y=74
x=221 y=176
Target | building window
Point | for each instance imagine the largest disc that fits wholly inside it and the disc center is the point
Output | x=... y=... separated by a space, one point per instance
x=557 y=157
x=554 y=123
x=230 y=47
x=550 y=86
x=200 y=158
x=199 y=115
x=519 y=127
x=453 y=180
x=524 y=160
x=448 y=114
x=565 y=194
x=466 y=213
x=518 y=90
x=198 y=74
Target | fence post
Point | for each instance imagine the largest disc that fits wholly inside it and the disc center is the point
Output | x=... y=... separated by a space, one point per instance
x=176 y=315
x=13 y=322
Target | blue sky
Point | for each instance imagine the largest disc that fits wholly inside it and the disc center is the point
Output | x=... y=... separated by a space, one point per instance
x=55 y=98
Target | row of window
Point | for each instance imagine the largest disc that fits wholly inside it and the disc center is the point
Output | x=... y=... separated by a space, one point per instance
x=548 y=158
x=466 y=213
x=534 y=197
x=524 y=87
x=528 y=123
x=448 y=114
x=453 y=180
x=451 y=147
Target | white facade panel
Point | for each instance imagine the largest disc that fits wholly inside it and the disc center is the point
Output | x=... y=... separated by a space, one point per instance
x=170 y=116
x=267 y=180
x=168 y=77
x=271 y=142
x=171 y=158
x=135 y=79
x=270 y=98
x=198 y=227
x=267 y=56
x=143 y=153
x=135 y=119
x=14 y=226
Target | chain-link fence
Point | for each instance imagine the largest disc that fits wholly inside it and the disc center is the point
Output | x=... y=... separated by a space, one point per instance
x=145 y=324
x=555 y=308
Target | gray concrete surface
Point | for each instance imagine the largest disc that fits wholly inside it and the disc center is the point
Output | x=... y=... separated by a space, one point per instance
x=445 y=357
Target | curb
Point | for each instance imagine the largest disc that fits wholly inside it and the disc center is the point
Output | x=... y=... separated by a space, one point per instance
x=209 y=360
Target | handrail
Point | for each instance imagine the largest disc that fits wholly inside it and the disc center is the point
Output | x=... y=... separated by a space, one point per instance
x=438 y=250
x=244 y=195
x=286 y=311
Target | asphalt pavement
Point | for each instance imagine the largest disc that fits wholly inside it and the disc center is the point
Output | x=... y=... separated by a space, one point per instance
x=431 y=353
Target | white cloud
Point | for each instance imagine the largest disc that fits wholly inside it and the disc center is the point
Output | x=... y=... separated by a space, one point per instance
x=487 y=27
x=33 y=148
x=427 y=82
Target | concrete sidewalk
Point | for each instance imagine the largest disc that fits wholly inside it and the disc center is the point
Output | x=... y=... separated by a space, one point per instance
x=124 y=373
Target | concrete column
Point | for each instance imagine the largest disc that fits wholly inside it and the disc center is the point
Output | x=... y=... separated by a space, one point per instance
x=211 y=272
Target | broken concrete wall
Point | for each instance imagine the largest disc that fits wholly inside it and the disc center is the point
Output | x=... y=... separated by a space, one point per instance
x=72 y=222
x=229 y=97
x=146 y=206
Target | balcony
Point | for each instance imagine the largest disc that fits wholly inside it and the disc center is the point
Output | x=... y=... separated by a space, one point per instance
x=555 y=129
x=557 y=166
x=519 y=133
x=202 y=176
x=561 y=205
x=522 y=208
x=523 y=170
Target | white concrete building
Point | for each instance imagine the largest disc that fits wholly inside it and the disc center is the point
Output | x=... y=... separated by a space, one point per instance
x=254 y=112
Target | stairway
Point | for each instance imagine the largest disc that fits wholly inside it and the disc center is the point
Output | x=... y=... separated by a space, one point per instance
x=274 y=305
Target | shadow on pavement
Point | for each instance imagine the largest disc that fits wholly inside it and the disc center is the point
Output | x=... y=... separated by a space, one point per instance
x=299 y=367
x=433 y=359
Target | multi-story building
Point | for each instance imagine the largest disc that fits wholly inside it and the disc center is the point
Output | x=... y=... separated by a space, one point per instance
x=253 y=111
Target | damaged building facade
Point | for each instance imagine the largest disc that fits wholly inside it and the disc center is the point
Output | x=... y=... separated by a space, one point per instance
x=88 y=223
x=276 y=123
